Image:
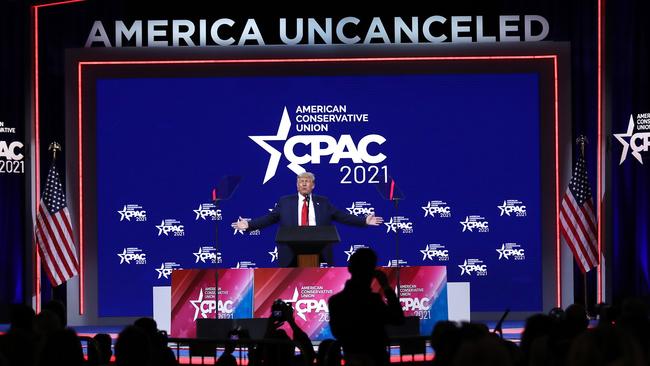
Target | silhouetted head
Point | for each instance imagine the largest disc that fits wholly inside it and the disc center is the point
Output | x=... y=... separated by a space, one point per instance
x=104 y=342
x=58 y=308
x=362 y=264
x=132 y=347
x=576 y=319
x=148 y=325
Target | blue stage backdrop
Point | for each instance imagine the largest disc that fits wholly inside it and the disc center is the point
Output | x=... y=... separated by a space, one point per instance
x=463 y=148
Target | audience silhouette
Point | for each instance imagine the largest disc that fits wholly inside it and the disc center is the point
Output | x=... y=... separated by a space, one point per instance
x=357 y=319
x=358 y=315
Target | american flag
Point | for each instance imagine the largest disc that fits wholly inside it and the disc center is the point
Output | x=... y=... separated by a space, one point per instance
x=53 y=232
x=578 y=220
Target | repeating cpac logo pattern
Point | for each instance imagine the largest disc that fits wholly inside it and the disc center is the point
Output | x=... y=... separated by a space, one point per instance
x=166 y=269
x=400 y=224
x=512 y=207
x=473 y=266
x=132 y=211
x=435 y=251
x=209 y=254
x=440 y=208
x=475 y=222
x=132 y=254
x=319 y=147
x=171 y=226
x=638 y=142
x=513 y=250
x=208 y=210
x=361 y=208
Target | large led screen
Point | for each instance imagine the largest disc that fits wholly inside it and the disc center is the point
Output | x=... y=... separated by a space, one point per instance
x=463 y=149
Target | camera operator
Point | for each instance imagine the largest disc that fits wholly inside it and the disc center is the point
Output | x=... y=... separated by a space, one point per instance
x=358 y=315
x=284 y=353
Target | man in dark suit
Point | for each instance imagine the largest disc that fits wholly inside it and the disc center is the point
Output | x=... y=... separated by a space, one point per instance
x=305 y=209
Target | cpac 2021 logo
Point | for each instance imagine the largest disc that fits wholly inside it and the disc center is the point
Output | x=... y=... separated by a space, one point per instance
x=208 y=210
x=207 y=253
x=361 y=208
x=512 y=207
x=171 y=226
x=204 y=306
x=637 y=142
x=475 y=222
x=319 y=147
x=435 y=251
x=302 y=307
x=132 y=211
x=440 y=208
x=11 y=150
x=513 y=250
x=166 y=269
x=399 y=224
x=415 y=303
x=132 y=254
x=473 y=266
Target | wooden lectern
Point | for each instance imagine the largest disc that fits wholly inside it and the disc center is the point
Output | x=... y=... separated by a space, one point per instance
x=307 y=242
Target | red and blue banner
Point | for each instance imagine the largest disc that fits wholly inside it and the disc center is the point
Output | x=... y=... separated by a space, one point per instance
x=193 y=297
x=250 y=293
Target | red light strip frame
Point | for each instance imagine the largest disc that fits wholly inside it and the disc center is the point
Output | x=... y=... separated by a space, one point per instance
x=36 y=132
x=551 y=57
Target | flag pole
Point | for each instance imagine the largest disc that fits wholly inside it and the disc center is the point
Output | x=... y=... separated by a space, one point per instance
x=53 y=147
x=581 y=141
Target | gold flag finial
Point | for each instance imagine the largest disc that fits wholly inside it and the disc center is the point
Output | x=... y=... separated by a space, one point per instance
x=582 y=141
x=54 y=147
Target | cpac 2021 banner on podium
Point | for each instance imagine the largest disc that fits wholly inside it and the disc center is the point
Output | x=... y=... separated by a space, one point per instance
x=463 y=149
x=423 y=293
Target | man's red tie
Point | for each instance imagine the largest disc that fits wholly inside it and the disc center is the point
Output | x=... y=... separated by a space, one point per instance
x=304 y=219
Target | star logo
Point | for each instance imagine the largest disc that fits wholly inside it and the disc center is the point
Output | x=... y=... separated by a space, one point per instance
x=197 y=306
x=503 y=209
x=626 y=144
x=162 y=271
x=427 y=253
x=350 y=252
x=274 y=154
x=464 y=268
x=161 y=228
x=466 y=224
x=502 y=251
x=123 y=214
x=351 y=209
x=123 y=257
x=427 y=210
x=274 y=254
